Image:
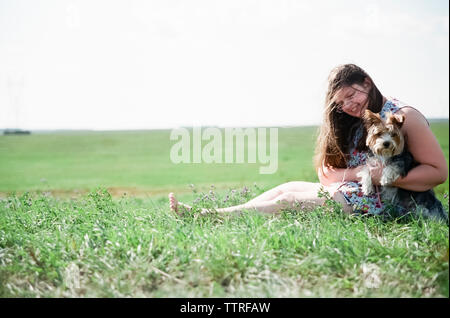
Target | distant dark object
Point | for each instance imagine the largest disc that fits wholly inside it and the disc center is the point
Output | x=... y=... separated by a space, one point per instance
x=16 y=132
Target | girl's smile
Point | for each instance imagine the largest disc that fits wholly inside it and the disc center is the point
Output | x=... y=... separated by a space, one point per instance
x=352 y=100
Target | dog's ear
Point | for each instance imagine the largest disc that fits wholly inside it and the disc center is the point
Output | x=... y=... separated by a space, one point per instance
x=395 y=119
x=370 y=118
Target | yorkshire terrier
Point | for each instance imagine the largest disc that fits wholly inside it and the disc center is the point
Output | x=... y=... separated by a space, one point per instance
x=387 y=145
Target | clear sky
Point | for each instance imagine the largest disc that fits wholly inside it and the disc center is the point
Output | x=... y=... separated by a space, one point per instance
x=91 y=64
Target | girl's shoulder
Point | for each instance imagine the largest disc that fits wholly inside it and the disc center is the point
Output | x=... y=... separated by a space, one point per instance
x=393 y=105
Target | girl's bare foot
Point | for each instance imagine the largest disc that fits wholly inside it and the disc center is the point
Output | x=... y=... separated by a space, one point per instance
x=176 y=206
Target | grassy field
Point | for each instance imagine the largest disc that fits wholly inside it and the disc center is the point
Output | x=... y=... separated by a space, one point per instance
x=85 y=214
x=135 y=161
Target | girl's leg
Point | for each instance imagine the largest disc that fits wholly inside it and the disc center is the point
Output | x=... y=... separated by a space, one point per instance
x=304 y=200
x=293 y=186
x=276 y=199
x=339 y=198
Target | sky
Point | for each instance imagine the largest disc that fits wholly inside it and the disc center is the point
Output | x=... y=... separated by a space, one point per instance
x=103 y=65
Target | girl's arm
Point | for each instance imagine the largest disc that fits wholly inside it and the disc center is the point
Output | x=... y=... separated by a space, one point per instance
x=426 y=150
x=329 y=175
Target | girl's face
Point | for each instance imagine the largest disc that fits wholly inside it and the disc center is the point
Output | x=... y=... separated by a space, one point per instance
x=353 y=100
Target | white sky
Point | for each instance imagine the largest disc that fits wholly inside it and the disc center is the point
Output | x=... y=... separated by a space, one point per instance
x=160 y=64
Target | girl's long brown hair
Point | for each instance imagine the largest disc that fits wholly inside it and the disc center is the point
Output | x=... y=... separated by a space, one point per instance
x=336 y=132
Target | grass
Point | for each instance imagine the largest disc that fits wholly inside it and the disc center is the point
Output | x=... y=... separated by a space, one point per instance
x=97 y=245
x=135 y=162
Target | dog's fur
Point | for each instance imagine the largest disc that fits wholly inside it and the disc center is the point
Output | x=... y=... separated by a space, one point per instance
x=387 y=145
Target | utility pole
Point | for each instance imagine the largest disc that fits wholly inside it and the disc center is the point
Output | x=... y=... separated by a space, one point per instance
x=15 y=91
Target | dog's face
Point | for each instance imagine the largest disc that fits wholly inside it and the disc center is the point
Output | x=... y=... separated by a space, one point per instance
x=384 y=138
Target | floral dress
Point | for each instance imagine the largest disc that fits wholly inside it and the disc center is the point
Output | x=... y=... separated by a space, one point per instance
x=351 y=190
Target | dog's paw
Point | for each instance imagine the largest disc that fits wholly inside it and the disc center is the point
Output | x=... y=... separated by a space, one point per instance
x=387 y=180
x=364 y=175
x=389 y=176
x=367 y=189
x=366 y=181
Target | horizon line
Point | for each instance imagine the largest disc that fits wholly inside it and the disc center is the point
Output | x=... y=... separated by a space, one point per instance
x=437 y=119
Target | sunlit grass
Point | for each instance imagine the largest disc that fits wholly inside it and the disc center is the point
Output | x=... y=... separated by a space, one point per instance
x=95 y=246
x=90 y=244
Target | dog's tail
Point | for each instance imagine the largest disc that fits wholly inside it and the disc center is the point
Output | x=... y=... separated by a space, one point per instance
x=425 y=204
x=435 y=210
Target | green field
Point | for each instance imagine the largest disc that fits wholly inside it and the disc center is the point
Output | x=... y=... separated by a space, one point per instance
x=62 y=234
x=139 y=163
x=136 y=162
